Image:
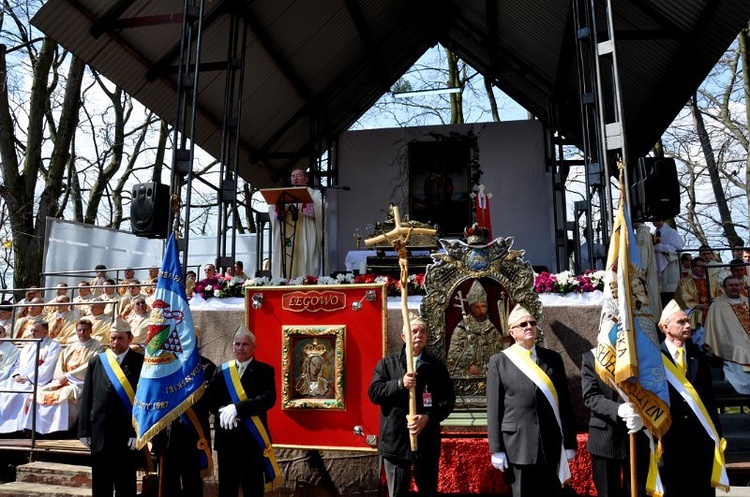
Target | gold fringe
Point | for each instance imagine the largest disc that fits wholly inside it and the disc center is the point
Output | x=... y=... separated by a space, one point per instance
x=167 y=420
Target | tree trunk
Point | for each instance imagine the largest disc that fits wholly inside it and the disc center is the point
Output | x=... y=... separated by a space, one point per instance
x=492 y=100
x=454 y=81
x=713 y=172
x=745 y=62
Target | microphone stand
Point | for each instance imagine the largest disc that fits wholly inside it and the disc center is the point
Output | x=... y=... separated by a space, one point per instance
x=323 y=189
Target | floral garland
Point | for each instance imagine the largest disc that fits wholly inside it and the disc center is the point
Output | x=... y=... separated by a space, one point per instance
x=565 y=282
x=561 y=283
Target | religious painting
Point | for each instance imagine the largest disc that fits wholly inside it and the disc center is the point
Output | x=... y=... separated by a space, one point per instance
x=312 y=367
x=440 y=184
x=471 y=289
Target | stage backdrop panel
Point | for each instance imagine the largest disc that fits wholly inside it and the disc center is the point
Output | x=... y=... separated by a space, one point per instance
x=513 y=162
x=323 y=342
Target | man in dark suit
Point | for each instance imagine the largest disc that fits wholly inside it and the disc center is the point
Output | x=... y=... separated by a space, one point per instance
x=688 y=447
x=435 y=397
x=609 y=445
x=240 y=456
x=522 y=413
x=106 y=424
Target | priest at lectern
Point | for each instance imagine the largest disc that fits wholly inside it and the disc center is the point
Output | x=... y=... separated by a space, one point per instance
x=297 y=230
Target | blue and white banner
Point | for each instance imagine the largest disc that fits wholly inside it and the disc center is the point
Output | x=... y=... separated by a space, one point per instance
x=172 y=378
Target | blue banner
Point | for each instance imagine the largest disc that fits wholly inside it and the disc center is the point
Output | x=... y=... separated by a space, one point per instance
x=172 y=378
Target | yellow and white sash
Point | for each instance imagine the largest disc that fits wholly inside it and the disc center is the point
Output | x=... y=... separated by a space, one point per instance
x=520 y=357
x=677 y=379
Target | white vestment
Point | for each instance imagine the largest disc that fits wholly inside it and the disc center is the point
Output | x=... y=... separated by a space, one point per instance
x=667 y=260
x=301 y=248
x=729 y=339
x=12 y=404
x=57 y=405
x=8 y=358
x=648 y=263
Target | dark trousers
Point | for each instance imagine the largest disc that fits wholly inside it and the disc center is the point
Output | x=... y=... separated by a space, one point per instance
x=240 y=469
x=113 y=470
x=533 y=480
x=180 y=467
x=398 y=472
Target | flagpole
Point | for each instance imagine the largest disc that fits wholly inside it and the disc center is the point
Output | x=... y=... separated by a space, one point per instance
x=633 y=472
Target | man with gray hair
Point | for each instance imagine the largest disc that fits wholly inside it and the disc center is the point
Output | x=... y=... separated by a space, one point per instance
x=240 y=394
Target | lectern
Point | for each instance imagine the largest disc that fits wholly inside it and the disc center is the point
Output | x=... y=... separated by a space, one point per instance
x=286 y=200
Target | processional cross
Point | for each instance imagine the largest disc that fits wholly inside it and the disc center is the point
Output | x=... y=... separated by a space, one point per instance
x=399 y=238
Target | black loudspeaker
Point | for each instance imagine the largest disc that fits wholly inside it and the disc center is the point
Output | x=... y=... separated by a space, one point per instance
x=654 y=190
x=149 y=210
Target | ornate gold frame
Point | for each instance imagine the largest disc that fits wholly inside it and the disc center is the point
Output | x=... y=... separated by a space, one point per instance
x=462 y=262
x=299 y=345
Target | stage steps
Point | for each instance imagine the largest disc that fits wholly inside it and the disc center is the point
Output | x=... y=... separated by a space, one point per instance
x=49 y=478
x=52 y=479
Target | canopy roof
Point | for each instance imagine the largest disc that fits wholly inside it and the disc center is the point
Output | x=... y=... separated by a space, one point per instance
x=312 y=68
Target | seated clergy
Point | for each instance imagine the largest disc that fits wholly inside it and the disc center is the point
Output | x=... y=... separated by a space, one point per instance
x=693 y=292
x=100 y=321
x=62 y=323
x=57 y=402
x=138 y=320
x=28 y=371
x=83 y=299
x=8 y=356
x=727 y=328
x=126 y=301
x=25 y=325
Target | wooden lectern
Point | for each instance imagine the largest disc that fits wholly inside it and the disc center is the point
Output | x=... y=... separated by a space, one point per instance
x=282 y=198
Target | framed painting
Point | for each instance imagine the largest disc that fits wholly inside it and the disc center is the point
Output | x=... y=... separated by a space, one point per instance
x=440 y=184
x=312 y=361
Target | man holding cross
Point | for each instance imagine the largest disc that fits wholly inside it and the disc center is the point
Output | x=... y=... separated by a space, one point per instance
x=435 y=401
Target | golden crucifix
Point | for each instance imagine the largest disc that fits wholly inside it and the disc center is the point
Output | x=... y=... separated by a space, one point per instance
x=399 y=238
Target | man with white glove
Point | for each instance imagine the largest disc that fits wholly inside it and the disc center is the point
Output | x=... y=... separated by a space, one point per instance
x=611 y=421
x=228 y=417
x=526 y=390
x=241 y=459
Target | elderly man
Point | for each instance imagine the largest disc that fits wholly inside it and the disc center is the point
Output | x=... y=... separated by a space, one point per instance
x=693 y=292
x=62 y=323
x=728 y=334
x=475 y=338
x=29 y=371
x=241 y=393
x=737 y=269
x=57 y=402
x=302 y=227
x=106 y=424
x=690 y=443
x=389 y=389
x=8 y=356
x=666 y=244
x=529 y=415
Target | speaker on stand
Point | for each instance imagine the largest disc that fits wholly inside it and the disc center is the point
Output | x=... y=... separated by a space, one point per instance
x=654 y=189
x=149 y=210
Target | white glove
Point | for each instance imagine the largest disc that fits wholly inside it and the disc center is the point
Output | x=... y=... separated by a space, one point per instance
x=499 y=461
x=570 y=454
x=86 y=441
x=228 y=417
x=634 y=423
x=626 y=410
x=131 y=444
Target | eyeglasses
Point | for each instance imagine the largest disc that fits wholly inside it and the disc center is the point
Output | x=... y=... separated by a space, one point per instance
x=526 y=324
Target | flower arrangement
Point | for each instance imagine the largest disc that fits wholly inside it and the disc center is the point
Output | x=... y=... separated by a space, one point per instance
x=565 y=282
x=210 y=287
x=393 y=286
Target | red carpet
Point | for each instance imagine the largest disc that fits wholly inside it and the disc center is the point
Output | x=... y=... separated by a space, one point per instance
x=465 y=468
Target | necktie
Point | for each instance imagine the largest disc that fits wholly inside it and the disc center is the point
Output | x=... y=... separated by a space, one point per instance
x=531 y=356
x=240 y=369
x=680 y=358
